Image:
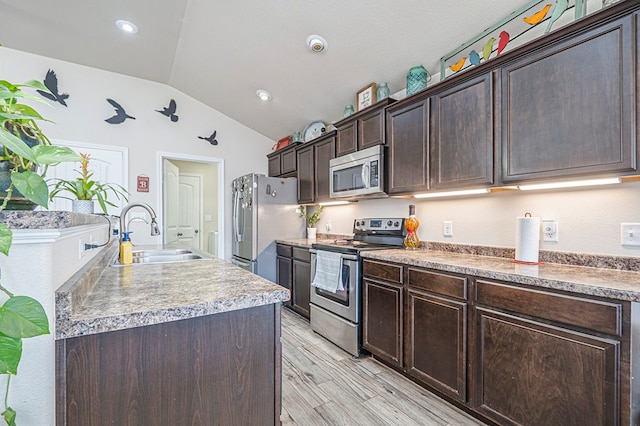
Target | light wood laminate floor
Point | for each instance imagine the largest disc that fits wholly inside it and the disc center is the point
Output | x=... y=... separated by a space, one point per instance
x=324 y=385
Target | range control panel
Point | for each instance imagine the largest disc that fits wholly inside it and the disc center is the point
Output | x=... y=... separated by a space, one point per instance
x=378 y=224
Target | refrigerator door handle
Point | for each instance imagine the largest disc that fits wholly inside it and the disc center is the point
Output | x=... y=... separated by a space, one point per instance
x=236 y=216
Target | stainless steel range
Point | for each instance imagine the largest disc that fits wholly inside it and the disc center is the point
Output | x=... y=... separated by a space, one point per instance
x=336 y=279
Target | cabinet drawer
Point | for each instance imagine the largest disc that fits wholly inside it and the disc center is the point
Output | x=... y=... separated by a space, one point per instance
x=284 y=250
x=382 y=271
x=446 y=285
x=301 y=254
x=605 y=317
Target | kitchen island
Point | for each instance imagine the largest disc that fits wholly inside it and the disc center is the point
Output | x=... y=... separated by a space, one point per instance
x=175 y=343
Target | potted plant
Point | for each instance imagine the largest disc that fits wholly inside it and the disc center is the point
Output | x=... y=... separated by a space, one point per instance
x=22 y=316
x=312 y=220
x=85 y=190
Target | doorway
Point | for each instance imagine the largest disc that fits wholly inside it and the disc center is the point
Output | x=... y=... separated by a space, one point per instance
x=192 y=194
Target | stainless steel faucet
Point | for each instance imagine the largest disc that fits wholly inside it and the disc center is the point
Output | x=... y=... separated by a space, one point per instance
x=155 y=229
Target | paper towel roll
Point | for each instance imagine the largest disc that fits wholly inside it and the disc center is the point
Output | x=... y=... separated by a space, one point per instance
x=527 y=239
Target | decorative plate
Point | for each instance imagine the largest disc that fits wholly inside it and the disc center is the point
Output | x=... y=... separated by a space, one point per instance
x=313 y=130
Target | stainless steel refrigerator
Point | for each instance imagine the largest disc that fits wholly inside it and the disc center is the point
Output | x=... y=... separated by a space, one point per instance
x=264 y=209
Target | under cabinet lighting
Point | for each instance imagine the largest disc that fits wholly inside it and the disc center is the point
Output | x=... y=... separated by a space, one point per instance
x=334 y=203
x=452 y=193
x=571 y=184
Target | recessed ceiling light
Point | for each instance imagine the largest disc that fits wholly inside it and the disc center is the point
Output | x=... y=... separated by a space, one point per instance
x=316 y=43
x=264 y=95
x=126 y=26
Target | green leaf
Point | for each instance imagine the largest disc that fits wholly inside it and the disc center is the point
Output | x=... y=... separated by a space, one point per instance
x=32 y=186
x=10 y=354
x=6 y=237
x=23 y=316
x=49 y=154
x=9 y=416
x=15 y=144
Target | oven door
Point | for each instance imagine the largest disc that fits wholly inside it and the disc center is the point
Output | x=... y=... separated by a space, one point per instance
x=344 y=303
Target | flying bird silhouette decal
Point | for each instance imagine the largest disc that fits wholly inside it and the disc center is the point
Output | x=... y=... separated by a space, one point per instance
x=169 y=111
x=211 y=139
x=458 y=65
x=120 y=116
x=51 y=83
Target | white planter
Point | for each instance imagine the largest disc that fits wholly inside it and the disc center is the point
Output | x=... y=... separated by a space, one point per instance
x=311 y=233
x=82 y=206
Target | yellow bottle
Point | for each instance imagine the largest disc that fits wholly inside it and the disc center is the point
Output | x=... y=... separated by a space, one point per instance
x=126 y=249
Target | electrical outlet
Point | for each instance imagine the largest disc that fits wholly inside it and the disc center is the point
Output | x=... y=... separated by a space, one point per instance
x=327 y=226
x=550 y=231
x=447 y=228
x=81 y=250
x=630 y=234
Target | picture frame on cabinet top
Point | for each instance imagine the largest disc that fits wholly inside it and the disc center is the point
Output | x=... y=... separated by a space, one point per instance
x=366 y=96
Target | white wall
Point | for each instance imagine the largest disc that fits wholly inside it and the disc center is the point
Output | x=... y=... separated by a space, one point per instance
x=243 y=150
x=589 y=219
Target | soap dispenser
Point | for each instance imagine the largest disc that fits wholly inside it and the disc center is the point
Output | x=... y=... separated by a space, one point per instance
x=126 y=249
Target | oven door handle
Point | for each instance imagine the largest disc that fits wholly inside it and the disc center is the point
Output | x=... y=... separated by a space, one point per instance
x=343 y=256
x=365 y=175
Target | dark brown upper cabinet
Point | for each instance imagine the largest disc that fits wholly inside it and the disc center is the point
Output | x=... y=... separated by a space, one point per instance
x=313 y=169
x=462 y=135
x=283 y=163
x=408 y=153
x=362 y=130
x=568 y=108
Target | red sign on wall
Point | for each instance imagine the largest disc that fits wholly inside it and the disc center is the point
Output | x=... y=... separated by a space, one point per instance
x=143 y=183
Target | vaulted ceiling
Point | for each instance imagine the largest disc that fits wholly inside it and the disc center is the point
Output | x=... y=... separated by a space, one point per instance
x=221 y=52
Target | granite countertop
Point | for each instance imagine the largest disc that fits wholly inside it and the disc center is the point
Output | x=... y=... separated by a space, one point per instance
x=101 y=298
x=27 y=219
x=610 y=283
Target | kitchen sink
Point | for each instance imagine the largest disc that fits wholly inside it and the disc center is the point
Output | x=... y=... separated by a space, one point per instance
x=163 y=255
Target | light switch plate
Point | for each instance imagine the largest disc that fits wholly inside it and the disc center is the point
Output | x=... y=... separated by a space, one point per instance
x=630 y=234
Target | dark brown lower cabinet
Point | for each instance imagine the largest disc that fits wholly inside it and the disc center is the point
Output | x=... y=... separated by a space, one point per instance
x=437 y=342
x=301 y=292
x=530 y=373
x=222 y=369
x=383 y=305
x=284 y=268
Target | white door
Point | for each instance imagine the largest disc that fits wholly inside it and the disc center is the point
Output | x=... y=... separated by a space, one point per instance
x=190 y=196
x=171 y=212
x=108 y=164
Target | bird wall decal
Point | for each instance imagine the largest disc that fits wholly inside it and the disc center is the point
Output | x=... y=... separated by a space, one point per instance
x=170 y=111
x=51 y=83
x=120 y=116
x=211 y=139
x=537 y=17
x=488 y=48
x=503 y=41
x=474 y=58
x=458 y=65
x=561 y=7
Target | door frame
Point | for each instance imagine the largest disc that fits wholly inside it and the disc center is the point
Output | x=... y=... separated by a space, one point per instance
x=162 y=155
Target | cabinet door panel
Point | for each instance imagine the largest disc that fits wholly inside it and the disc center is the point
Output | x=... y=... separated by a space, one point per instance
x=437 y=343
x=568 y=110
x=382 y=320
x=534 y=374
x=462 y=135
x=324 y=151
x=346 y=141
x=408 y=154
x=371 y=130
x=288 y=162
x=301 y=287
x=306 y=184
x=283 y=274
x=274 y=166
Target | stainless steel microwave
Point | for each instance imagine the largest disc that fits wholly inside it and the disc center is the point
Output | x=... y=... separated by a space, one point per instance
x=358 y=174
